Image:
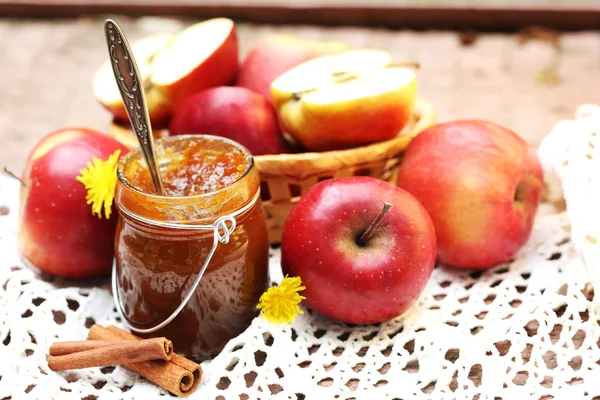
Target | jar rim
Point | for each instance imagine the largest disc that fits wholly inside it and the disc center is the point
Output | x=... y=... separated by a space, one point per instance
x=136 y=152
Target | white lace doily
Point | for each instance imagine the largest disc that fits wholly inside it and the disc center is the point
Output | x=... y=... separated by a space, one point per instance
x=571 y=157
x=524 y=330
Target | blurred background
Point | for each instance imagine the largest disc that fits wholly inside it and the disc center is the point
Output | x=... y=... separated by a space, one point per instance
x=525 y=64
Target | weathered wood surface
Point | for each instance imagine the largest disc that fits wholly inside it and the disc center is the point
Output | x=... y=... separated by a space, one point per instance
x=420 y=14
x=46 y=67
x=491 y=15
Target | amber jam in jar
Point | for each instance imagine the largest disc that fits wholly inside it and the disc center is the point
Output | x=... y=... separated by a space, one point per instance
x=159 y=252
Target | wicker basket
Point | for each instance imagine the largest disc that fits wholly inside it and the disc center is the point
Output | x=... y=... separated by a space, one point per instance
x=285 y=177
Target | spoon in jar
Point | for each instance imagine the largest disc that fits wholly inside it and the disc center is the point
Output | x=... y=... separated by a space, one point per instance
x=131 y=88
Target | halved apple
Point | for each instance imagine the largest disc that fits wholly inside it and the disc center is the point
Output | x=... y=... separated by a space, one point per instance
x=345 y=100
x=201 y=56
x=107 y=93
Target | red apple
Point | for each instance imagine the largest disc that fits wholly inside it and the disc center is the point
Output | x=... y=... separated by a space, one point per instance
x=350 y=279
x=58 y=233
x=275 y=54
x=201 y=56
x=232 y=112
x=481 y=184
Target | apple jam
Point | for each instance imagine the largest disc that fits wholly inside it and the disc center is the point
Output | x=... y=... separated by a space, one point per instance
x=160 y=250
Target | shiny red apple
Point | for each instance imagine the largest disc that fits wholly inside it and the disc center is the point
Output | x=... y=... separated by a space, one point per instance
x=349 y=275
x=232 y=112
x=481 y=183
x=58 y=233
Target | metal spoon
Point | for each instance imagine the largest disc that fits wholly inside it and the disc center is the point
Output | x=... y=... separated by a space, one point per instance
x=130 y=85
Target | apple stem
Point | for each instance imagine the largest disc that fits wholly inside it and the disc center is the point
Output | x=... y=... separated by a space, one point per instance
x=12 y=175
x=413 y=64
x=369 y=232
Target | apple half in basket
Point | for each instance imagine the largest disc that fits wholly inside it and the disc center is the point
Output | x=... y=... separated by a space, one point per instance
x=345 y=100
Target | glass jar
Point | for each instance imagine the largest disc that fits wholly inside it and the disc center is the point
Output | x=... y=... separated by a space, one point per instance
x=162 y=243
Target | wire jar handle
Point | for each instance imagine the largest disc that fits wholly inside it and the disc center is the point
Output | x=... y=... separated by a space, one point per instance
x=221 y=224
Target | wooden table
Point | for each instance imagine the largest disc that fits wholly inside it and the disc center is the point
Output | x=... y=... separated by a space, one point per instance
x=46 y=67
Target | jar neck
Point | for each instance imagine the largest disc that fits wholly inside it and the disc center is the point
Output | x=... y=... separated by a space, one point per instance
x=189 y=210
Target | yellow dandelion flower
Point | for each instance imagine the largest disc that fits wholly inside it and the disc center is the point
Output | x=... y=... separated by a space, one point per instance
x=279 y=304
x=100 y=180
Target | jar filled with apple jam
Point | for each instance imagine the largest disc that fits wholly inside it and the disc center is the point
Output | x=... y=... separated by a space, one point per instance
x=206 y=230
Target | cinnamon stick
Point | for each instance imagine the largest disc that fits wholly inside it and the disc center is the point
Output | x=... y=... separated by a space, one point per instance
x=176 y=359
x=125 y=351
x=179 y=376
x=63 y=348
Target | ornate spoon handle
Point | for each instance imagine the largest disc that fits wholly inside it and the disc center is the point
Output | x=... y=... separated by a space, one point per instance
x=130 y=85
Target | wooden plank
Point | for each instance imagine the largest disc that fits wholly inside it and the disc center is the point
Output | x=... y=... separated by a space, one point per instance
x=499 y=15
x=340 y=3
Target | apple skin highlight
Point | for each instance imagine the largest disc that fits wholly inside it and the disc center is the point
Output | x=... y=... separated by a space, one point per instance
x=352 y=283
x=481 y=184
